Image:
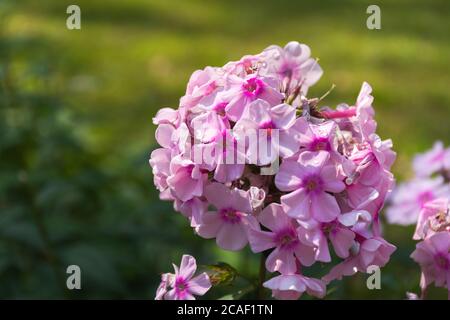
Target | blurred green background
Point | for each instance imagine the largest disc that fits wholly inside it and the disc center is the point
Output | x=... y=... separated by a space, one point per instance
x=76 y=131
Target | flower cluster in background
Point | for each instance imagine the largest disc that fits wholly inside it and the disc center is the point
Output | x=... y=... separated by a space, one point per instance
x=425 y=201
x=430 y=181
x=323 y=203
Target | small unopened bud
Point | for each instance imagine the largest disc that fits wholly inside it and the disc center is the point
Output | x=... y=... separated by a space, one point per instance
x=257 y=197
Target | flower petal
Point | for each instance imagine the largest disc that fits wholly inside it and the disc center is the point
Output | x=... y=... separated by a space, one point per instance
x=200 y=284
x=232 y=237
x=188 y=267
x=324 y=207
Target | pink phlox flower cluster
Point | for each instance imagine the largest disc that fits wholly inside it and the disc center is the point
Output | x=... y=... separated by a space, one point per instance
x=236 y=121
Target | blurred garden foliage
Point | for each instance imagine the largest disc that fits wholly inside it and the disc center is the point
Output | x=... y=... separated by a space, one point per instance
x=76 y=131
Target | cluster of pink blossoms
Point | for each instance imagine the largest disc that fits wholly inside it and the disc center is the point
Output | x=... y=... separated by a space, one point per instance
x=219 y=157
x=430 y=182
x=425 y=201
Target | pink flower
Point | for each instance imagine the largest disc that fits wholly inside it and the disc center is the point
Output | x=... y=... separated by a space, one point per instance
x=374 y=251
x=364 y=122
x=229 y=224
x=316 y=137
x=357 y=119
x=292 y=286
x=433 y=256
x=369 y=180
x=228 y=170
x=201 y=84
x=246 y=65
x=167 y=116
x=432 y=161
x=262 y=120
x=244 y=91
x=174 y=138
x=192 y=209
x=216 y=101
x=160 y=163
x=372 y=159
x=434 y=217
x=217 y=144
x=186 y=179
x=165 y=135
x=318 y=234
x=293 y=66
x=283 y=237
x=409 y=199
x=370 y=197
x=166 y=279
x=310 y=178
x=183 y=285
x=208 y=126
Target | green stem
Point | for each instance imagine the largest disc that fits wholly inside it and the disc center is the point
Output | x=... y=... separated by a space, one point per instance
x=262 y=276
